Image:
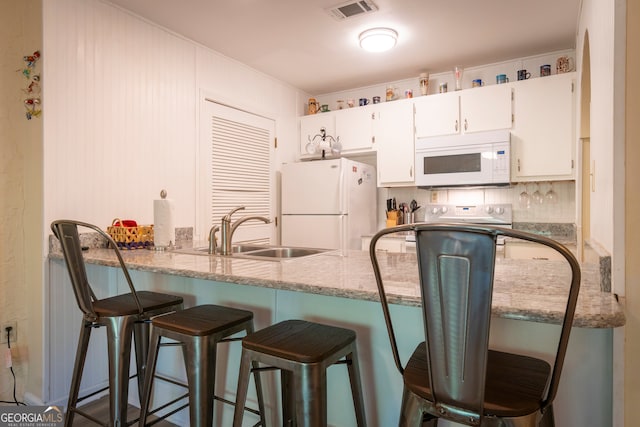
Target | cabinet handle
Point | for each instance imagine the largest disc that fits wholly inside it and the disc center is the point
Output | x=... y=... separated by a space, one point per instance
x=373 y=139
x=410 y=171
x=518 y=165
x=456 y=127
x=373 y=116
x=465 y=124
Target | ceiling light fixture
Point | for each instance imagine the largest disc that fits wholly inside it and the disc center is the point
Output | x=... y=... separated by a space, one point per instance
x=378 y=39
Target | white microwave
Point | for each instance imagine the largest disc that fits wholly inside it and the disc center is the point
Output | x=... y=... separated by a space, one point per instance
x=477 y=159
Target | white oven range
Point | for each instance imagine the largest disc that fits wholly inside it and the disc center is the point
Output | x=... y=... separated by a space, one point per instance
x=493 y=214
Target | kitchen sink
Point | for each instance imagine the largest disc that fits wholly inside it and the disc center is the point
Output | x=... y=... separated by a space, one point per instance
x=284 y=252
x=236 y=249
x=241 y=248
x=259 y=252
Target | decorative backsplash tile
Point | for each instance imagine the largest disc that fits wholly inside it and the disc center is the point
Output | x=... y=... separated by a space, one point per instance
x=94 y=240
x=561 y=208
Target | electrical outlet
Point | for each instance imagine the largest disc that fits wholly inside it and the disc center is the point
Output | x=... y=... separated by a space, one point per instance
x=13 y=334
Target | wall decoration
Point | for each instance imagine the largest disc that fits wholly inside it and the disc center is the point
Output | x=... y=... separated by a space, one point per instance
x=32 y=102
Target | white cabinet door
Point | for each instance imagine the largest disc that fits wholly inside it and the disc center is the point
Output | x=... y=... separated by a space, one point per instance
x=542 y=137
x=485 y=108
x=354 y=126
x=466 y=111
x=310 y=128
x=437 y=115
x=394 y=135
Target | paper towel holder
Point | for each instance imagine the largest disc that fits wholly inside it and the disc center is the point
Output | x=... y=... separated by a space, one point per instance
x=171 y=245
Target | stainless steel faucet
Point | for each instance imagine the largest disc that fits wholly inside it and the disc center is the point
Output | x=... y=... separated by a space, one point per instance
x=212 y=239
x=227 y=229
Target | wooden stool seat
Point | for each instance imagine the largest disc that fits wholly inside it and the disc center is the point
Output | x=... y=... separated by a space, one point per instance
x=203 y=320
x=299 y=341
x=302 y=351
x=125 y=304
x=199 y=330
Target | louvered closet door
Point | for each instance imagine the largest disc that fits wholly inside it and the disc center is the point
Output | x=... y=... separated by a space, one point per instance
x=236 y=158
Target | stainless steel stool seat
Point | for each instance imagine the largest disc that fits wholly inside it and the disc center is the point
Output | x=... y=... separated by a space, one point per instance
x=302 y=351
x=123 y=315
x=198 y=329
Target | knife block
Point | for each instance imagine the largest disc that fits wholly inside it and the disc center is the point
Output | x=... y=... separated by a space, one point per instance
x=394 y=218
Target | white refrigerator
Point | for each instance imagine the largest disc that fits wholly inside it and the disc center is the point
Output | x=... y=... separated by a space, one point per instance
x=328 y=204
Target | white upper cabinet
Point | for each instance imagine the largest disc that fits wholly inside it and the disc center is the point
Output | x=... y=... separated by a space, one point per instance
x=354 y=126
x=486 y=108
x=310 y=130
x=540 y=113
x=438 y=115
x=542 y=139
x=466 y=111
x=385 y=128
x=394 y=143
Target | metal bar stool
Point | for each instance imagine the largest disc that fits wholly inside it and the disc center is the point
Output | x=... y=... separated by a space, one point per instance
x=123 y=315
x=454 y=374
x=302 y=351
x=198 y=330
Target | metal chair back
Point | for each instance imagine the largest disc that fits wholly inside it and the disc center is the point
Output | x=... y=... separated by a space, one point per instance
x=67 y=233
x=456 y=278
x=456 y=270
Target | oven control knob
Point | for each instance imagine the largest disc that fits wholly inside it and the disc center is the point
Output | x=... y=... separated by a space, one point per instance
x=435 y=211
x=444 y=209
x=499 y=210
x=489 y=209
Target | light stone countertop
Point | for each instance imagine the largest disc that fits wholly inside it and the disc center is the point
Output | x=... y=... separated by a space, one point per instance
x=532 y=290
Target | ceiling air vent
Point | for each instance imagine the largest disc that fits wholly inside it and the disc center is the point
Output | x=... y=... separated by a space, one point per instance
x=351 y=9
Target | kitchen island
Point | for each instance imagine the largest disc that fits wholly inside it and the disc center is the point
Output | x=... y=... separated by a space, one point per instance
x=528 y=304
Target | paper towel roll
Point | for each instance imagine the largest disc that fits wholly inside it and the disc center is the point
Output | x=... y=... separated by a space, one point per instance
x=164 y=232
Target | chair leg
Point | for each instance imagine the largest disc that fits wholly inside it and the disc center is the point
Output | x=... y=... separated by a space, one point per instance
x=411 y=414
x=310 y=382
x=119 y=333
x=353 y=367
x=288 y=397
x=548 y=418
x=429 y=421
x=78 y=368
x=152 y=359
x=243 y=386
x=141 y=342
x=200 y=361
x=258 y=383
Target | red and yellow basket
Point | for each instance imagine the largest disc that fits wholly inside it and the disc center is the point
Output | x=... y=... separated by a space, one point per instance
x=129 y=235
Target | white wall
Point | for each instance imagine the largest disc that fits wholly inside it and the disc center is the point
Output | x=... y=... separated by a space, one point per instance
x=123 y=97
x=598 y=18
x=603 y=21
x=122 y=102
